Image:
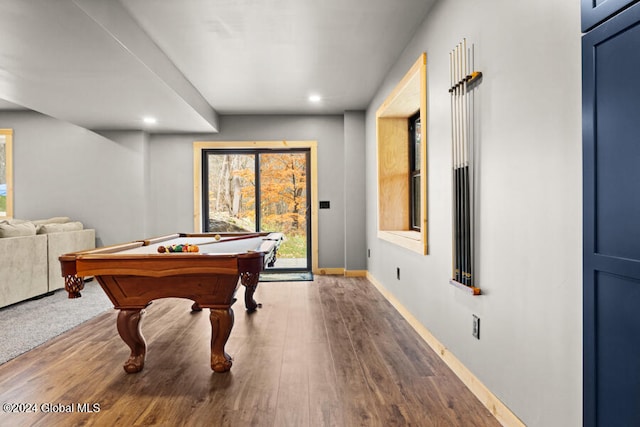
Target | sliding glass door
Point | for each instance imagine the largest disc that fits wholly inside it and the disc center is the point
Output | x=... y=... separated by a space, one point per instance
x=260 y=190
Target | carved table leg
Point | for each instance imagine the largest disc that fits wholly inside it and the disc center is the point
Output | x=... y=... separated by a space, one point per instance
x=221 y=324
x=129 y=330
x=73 y=285
x=250 y=282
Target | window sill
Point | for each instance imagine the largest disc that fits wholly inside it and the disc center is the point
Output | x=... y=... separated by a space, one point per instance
x=407 y=239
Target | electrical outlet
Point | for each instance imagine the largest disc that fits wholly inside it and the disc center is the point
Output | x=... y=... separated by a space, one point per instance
x=398 y=273
x=476 y=326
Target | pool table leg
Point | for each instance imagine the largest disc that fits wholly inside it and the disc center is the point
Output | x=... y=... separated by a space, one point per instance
x=129 y=330
x=221 y=324
x=250 y=282
x=73 y=285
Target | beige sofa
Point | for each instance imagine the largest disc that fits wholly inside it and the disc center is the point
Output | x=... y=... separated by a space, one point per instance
x=29 y=252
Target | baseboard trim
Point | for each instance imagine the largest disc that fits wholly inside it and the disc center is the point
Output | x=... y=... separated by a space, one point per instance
x=355 y=273
x=330 y=271
x=499 y=410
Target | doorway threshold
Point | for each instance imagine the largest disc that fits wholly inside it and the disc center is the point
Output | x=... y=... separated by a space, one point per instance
x=286 y=276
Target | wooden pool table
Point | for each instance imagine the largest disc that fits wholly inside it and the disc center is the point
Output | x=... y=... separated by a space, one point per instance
x=133 y=274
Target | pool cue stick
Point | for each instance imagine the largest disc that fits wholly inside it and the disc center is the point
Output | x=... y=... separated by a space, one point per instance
x=470 y=109
x=464 y=163
x=453 y=162
x=460 y=162
x=456 y=176
x=470 y=274
x=467 y=208
x=454 y=147
x=463 y=213
x=230 y=239
x=457 y=165
x=463 y=208
x=467 y=217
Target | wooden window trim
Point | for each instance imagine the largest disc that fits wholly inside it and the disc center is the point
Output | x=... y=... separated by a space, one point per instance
x=408 y=97
x=8 y=146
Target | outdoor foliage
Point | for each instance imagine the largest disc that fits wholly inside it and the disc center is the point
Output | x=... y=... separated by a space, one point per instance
x=283 y=203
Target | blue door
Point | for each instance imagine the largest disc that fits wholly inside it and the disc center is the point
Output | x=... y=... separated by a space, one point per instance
x=596 y=11
x=611 y=180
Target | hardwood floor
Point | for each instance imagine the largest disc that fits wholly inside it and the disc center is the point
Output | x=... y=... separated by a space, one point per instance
x=332 y=352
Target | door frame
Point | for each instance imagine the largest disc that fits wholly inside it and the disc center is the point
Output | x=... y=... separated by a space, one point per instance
x=312 y=146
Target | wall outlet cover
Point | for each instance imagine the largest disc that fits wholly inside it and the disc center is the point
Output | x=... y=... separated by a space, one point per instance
x=476 y=327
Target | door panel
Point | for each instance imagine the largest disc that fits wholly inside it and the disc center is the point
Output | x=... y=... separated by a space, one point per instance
x=231 y=192
x=284 y=201
x=611 y=185
x=596 y=11
x=617 y=361
x=617 y=145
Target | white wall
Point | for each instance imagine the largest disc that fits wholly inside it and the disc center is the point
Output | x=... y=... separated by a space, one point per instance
x=129 y=185
x=63 y=170
x=529 y=209
x=171 y=173
x=354 y=194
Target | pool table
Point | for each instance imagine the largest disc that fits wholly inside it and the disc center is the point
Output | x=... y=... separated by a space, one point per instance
x=135 y=273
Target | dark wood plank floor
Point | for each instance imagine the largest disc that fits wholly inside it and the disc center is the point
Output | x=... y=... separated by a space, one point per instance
x=332 y=352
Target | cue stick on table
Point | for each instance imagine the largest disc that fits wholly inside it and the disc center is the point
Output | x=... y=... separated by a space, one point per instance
x=248 y=236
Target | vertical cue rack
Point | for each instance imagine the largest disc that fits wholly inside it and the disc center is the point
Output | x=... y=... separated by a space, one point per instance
x=462 y=89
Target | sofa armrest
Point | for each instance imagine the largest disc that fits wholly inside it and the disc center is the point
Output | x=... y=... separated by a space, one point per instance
x=23 y=270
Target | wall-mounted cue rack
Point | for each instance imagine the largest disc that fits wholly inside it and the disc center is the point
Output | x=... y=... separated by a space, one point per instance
x=464 y=81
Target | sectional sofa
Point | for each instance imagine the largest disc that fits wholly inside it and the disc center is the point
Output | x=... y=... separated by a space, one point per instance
x=29 y=252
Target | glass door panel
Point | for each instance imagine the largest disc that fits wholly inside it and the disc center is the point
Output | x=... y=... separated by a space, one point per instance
x=284 y=204
x=231 y=192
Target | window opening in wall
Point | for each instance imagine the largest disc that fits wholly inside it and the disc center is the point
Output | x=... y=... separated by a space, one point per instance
x=401 y=144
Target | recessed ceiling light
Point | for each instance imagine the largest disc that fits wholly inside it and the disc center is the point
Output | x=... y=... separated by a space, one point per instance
x=150 y=120
x=315 y=98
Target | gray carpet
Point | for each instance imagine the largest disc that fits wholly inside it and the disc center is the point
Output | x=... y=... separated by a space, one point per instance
x=28 y=324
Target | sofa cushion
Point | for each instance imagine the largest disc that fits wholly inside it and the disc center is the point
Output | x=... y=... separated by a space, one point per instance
x=13 y=221
x=59 y=228
x=53 y=220
x=17 y=230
